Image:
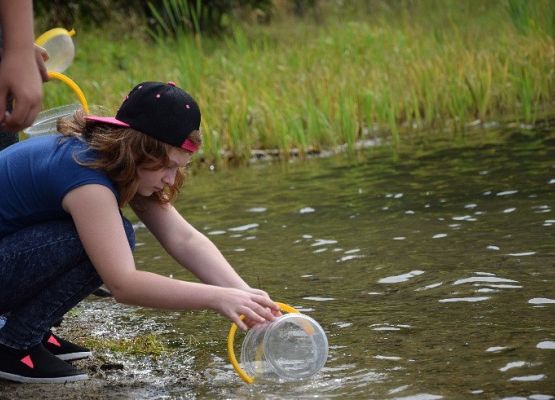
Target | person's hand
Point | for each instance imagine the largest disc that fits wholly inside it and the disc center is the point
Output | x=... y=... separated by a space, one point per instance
x=250 y=322
x=254 y=304
x=20 y=78
x=42 y=56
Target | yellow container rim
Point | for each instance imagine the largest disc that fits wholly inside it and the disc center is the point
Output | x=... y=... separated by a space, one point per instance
x=231 y=341
x=48 y=35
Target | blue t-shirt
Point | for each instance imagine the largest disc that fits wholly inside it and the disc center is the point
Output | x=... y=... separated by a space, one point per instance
x=36 y=174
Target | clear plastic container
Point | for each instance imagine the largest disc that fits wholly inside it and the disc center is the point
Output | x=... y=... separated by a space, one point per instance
x=60 y=48
x=45 y=123
x=294 y=346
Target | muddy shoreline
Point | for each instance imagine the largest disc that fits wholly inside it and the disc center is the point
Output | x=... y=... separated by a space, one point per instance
x=123 y=365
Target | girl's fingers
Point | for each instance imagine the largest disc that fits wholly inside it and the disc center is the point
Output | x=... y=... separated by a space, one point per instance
x=257 y=307
x=255 y=316
x=276 y=313
x=240 y=324
x=265 y=302
x=265 y=312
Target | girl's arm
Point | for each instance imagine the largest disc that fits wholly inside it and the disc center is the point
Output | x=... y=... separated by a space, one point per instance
x=95 y=211
x=188 y=246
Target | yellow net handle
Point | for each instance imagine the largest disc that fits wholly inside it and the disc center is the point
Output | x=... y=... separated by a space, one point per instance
x=231 y=340
x=76 y=89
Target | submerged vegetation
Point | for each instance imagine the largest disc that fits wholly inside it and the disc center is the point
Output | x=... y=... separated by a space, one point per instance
x=140 y=345
x=338 y=75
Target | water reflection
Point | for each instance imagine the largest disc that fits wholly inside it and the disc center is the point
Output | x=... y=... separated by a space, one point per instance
x=401 y=278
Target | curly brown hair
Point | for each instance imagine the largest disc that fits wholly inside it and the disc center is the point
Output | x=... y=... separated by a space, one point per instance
x=120 y=153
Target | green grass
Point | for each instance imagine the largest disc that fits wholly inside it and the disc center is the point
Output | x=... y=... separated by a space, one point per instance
x=307 y=85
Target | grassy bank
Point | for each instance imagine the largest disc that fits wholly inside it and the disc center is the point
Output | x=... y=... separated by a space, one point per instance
x=313 y=85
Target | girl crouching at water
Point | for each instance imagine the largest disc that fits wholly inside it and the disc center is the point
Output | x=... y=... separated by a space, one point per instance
x=62 y=233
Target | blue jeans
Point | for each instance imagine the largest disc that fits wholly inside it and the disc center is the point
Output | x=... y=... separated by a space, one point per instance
x=44 y=272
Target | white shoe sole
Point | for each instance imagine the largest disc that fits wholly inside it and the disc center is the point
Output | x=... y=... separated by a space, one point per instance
x=26 y=379
x=74 y=356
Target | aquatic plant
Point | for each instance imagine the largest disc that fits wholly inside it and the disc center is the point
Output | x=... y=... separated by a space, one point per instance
x=139 y=345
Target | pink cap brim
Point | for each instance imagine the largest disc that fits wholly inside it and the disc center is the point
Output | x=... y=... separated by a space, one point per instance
x=107 y=120
x=189 y=146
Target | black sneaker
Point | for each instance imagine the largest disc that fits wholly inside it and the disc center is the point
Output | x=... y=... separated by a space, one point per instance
x=63 y=349
x=36 y=365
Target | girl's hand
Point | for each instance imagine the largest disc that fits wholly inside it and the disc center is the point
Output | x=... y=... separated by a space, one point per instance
x=254 y=304
x=251 y=323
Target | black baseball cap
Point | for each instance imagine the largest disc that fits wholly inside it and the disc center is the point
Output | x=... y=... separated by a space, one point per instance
x=160 y=110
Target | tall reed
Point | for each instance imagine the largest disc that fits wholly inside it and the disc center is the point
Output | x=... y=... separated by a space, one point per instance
x=310 y=86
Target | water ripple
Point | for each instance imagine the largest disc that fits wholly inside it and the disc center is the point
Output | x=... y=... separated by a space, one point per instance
x=496 y=349
x=401 y=278
x=349 y=257
x=431 y=286
x=420 y=396
x=388 y=327
x=500 y=286
x=322 y=242
x=528 y=378
x=513 y=364
x=340 y=324
x=464 y=218
x=389 y=358
x=243 y=228
x=541 y=300
x=257 y=209
x=507 y=193
x=523 y=254
x=489 y=279
x=464 y=299
x=316 y=298
x=546 y=345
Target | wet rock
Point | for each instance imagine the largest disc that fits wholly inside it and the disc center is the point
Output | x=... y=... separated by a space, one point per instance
x=111 y=367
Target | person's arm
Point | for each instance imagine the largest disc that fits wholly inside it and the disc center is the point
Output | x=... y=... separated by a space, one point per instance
x=95 y=211
x=19 y=73
x=186 y=245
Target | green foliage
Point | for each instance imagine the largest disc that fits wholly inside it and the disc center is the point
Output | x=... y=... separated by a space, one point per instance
x=63 y=13
x=520 y=14
x=169 y=18
x=173 y=18
x=176 y=18
x=304 y=85
x=531 y=15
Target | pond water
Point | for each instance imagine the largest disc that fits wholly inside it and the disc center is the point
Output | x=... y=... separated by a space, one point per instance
x=432 y=271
